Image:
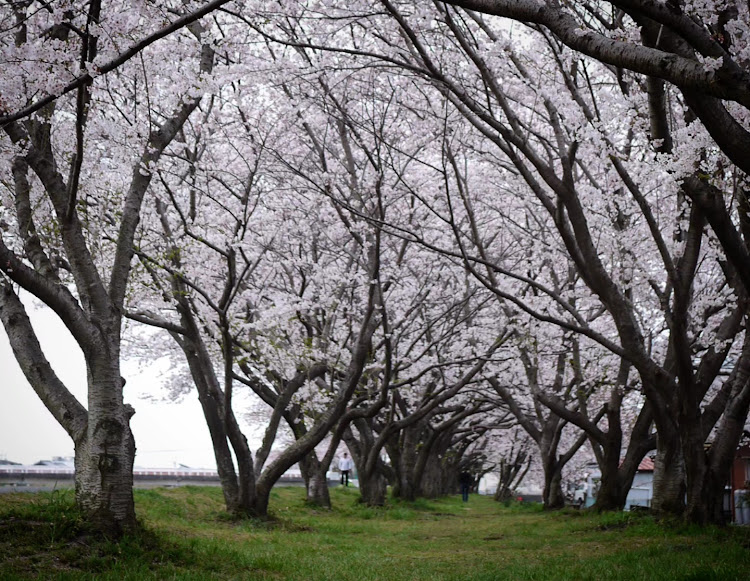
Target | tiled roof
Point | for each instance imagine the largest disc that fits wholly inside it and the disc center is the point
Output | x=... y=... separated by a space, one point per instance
x=646 y=465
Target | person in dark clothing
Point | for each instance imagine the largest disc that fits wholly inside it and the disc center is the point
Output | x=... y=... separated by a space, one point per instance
x=465 y=479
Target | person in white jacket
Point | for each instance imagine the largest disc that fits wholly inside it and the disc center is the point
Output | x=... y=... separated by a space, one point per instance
x=345 y=465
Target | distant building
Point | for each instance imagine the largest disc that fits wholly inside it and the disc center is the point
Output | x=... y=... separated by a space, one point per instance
x=640 y=494
x=642 y=489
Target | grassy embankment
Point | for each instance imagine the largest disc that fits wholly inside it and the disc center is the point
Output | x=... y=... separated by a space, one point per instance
x=187 y=536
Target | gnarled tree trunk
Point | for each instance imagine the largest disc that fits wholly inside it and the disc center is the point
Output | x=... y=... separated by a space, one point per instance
x=316 y=483
x=373 y=488
x=552 y=494
x=669 y=476
x=410 y=441
x=104 y=457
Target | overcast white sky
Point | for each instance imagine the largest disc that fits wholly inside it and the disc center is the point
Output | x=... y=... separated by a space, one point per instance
x=166 y=433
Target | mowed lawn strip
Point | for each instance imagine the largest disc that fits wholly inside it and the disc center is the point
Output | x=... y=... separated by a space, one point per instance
x=187 y=535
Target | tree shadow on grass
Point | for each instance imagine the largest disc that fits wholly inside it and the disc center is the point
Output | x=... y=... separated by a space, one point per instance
x=48 y=537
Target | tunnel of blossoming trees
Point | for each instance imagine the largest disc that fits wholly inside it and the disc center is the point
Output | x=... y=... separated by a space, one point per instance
x=502 y=237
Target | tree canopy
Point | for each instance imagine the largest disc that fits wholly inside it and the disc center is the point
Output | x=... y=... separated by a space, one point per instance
x=414 y=229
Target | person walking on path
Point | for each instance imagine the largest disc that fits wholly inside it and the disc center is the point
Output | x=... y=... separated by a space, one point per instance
x=345 y=465
x=465 y=480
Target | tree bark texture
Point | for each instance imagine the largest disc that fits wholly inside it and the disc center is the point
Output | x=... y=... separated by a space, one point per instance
x=105 y=449
x=372 y=488
x=552 y=494
x=104 y=445
x=316 y=483
x=104 y=457
x=669 y=477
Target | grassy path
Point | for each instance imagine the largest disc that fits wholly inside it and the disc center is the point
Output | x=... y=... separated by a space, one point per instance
x=188 y=536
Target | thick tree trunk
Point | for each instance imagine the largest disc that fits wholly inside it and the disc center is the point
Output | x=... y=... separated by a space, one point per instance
x=105 y=455
x=316 y=484
x=104 y=480
x=617 y=477
x=437 y=470
x=694 y=458
x=394 y=453
x=317 y=490
x=711 y=508
x=669 y=477
x=104 y=445
x=613 y=489
x=313 y=470
x=245 y=466
x=722 y=452
x=260 y=502
x=438 y=477
x=406 y=488
x=373 y=484
x=373 y=488
x=611 y=495
x=408 y=457
x=552 y=496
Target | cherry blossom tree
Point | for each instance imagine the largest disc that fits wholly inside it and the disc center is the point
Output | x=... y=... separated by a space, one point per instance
x=572 y=130
x=69 y=221
x=544 y=426
x=513 y=460
x=243 y=327
x=671 y=374
x=700 y=49
x=296 y=293
x=364 y=212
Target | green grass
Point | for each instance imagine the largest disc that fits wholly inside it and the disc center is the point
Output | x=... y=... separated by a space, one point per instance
x=186 y=535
